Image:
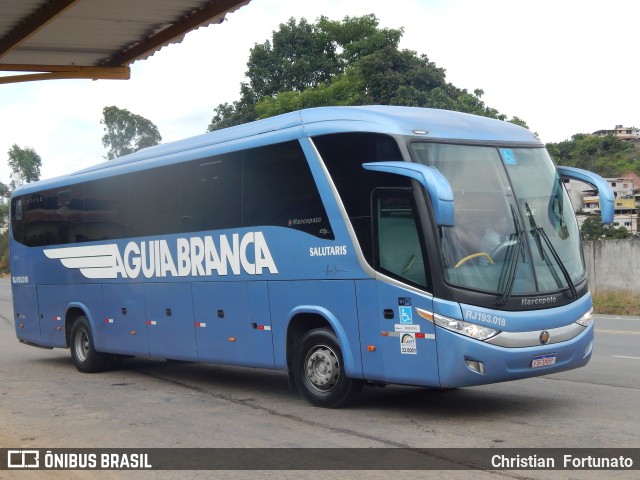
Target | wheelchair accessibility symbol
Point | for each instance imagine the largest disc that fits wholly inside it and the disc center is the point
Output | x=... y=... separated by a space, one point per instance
x=405 y=315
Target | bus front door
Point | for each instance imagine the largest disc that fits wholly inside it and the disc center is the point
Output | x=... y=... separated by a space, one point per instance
x=405 y=316
x=407 y=336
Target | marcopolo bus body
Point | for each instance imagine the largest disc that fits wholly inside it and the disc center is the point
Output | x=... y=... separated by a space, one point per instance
x=345 y=245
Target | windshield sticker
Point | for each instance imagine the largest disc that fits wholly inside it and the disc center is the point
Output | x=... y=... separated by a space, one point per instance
x=408 y=344
x=508 y=157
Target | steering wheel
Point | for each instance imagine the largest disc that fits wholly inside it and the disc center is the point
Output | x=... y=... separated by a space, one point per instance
x=472 y=256
x=410 y=263
x=500 y=252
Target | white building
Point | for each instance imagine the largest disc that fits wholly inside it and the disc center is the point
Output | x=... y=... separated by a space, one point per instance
x=585 y=200
x=623 y=133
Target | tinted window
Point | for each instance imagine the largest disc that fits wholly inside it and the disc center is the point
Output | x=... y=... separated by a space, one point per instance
x=397 y=236
x=266 y=186
x=212 y=193
x=154 y=198
x=28 y=219
x=279 y=190
x=343 y=155
x=48 y=218
x=65 y=208
x=106 y=212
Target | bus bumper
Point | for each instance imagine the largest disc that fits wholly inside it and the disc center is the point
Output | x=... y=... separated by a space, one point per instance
x=465 y=362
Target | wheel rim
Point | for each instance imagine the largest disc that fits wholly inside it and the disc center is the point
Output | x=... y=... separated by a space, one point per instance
x=82 y=345
x=322 y=368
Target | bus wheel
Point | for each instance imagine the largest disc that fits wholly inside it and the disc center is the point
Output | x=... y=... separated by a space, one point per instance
x=318 y=371
x=84 y=356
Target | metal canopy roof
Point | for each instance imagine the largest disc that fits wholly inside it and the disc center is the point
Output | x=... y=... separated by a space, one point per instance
x=95 y=39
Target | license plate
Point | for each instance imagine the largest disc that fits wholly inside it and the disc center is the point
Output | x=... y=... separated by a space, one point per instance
x=543 y=360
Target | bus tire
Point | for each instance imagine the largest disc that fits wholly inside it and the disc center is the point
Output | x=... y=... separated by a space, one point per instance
x=84 y=355
x=318 y=370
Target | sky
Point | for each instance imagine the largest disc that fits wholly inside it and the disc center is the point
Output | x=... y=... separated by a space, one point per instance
x=563 y=66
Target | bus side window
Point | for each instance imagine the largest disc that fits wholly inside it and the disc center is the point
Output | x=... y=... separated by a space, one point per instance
x=154 y=200
x=105 y=209
x=17 y=219
x=343 y=154
x=279 y=190
x=29 y=228
x=398 y=246
x=58 y=217
x=68 y=215
x=206 y=184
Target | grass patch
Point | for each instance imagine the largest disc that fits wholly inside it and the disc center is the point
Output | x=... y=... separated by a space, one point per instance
x=616 y=303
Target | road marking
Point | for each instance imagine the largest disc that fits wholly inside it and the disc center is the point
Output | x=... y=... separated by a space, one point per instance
x=619 y=332
x=622 y=356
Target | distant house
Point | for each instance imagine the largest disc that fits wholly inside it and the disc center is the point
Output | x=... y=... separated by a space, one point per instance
x=631 y=134
x=633 y=179
x=585 y=200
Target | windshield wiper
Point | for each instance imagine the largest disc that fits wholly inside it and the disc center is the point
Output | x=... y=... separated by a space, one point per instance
x=537 y=233
x=534 y=233
x=506 y=295
x=556 y=257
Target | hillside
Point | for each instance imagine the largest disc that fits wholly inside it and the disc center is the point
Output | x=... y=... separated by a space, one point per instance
x=607 y=156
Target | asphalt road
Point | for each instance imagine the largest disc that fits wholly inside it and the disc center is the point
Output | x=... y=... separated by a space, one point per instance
x=46 y=403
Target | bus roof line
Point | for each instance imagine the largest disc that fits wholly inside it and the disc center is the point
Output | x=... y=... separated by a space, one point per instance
x=433 y=124
x=316 y=121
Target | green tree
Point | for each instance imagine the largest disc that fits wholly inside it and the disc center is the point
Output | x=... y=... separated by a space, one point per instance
x=301 y=55
x=619 y=233
x=593 y=229
x=127 y=132
x=606 y=155
x=24 y=165
x=5 y=193
x=348 y=62
x=4 y=253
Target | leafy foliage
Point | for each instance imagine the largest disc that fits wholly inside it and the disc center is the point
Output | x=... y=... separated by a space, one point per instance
x=4 y=252
x=348 y=62
x=4 y=214
x=24 y=165
x=593 y=229
x=607 y=155
x=127 y=132
x=5 y=191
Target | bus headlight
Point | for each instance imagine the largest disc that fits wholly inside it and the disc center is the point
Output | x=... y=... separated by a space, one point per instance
x=586 y=319
x=471 y=330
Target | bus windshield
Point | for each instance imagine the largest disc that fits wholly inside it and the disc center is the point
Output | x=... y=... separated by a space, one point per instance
x=513 y=220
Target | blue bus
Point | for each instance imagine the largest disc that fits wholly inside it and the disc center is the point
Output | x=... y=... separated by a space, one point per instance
x=345 y=245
